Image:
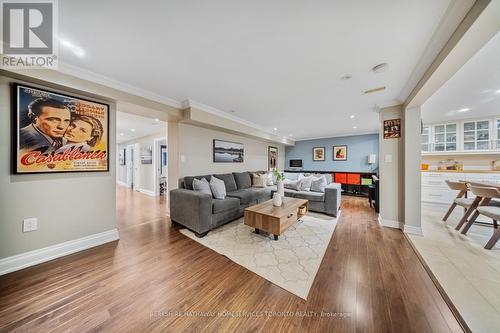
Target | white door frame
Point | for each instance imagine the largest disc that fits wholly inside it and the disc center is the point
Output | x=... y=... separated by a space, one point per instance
x=157 y=162
x=129 y=167
x=137 y=167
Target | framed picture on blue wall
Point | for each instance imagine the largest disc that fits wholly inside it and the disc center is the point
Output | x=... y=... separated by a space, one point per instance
x=340 y=153
x=318 y=153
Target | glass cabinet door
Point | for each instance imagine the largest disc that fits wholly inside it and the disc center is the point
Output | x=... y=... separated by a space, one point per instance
x=477 y=135
x=445 y=137
x=425 y=139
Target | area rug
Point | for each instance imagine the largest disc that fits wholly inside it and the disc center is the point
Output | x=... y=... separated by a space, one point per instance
x=291 y=262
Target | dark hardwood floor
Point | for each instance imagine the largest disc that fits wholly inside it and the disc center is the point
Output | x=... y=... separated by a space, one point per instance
x=369 y=276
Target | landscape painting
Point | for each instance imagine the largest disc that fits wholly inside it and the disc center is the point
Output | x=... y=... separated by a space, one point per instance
x=227 y=151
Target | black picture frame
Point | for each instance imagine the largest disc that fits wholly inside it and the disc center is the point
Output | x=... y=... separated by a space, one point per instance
x=15 y=119
x=238 y=148
x=272 y=161
x=314 y=155
x=335 y=153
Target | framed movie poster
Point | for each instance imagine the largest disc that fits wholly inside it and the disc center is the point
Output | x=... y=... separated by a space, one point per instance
x=340 y=153
x=392 y=128
x=272 y=158
x=227 y=151
x=318 y=153
x=53 y=132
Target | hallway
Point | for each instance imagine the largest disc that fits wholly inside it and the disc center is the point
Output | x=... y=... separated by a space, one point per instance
x=134 y=208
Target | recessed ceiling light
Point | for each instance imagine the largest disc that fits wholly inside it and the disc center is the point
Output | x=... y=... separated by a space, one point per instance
x=498 y=91
x=346 y=77
x=352 y=116
x=355 y=127
x=464 y=110
x=132 y=130
x=380 y=68
x=275 y=129
x=157 y=120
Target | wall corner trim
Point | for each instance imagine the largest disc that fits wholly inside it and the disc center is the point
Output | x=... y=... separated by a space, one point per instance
x=390 y=223
x=147 y=192
x=31 y=258
x=409 y=229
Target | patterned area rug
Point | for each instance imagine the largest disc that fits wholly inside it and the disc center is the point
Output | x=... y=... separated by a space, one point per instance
x=291 y=262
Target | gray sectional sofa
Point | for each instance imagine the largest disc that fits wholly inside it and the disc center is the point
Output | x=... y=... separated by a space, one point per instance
x=200 y=212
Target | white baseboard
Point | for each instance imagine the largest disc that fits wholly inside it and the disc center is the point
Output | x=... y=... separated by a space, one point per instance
x=122 y=183
x=31 y=258
x=147 y=192
x=390 y=223
x=409 y=229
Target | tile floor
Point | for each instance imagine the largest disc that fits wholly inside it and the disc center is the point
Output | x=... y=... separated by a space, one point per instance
x=469 y=274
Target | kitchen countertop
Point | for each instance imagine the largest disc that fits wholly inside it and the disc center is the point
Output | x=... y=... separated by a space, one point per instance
x=463 y=171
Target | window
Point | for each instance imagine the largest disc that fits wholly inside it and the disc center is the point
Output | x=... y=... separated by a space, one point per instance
x=445 y=137
x=476 y=135
x=426 y=138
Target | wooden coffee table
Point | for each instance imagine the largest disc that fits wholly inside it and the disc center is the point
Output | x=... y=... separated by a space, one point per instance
x=275 y=220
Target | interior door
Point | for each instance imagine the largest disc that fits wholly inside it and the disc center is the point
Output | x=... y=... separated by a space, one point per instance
x=137 y=167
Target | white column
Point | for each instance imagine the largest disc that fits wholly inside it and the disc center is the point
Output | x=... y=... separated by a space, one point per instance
x=391 y=169
x=412 y=174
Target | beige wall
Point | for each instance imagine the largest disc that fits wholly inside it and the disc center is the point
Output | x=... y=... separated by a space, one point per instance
x=146 y=172
x=195 y=152
x=391 y=173
x=68 y=206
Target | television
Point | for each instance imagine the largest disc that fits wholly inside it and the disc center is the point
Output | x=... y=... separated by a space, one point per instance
x=295 y=163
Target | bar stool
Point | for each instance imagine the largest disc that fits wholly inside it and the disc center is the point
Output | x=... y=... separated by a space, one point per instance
x=493 y=211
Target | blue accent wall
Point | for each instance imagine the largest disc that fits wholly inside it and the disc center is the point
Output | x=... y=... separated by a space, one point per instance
x=358 y=149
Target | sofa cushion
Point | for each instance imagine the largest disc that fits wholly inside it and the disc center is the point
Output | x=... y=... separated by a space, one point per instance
x=318 y=184
x=292 y=184
x=306 y=182
x=202 y=186
x=222 y=205
x=229 y=181
x=188 y=181
x=250 y=195
x=218 y=188
x=259 y=180
x=243 y=180
x=311 y=196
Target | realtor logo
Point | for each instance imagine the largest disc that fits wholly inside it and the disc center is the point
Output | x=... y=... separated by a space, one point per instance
x=28 y=34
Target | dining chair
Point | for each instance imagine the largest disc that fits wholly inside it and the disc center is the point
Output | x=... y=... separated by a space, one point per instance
x=491 y=211
x=461 y=198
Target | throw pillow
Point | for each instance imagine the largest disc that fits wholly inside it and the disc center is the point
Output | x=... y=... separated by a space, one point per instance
x=292 y=184
x=269 y=179
x=218 y=188
x=202 y=186
x=306 y=183
x=291 y=175
x=318 y=184
x=259 y=180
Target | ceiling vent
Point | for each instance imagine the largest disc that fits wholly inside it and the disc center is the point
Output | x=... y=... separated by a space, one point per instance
x=369 y=91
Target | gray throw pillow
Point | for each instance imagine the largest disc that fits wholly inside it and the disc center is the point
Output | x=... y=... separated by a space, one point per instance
x=306 y=183
x=292 y=184
x=318 y=184
x=202 y=186
x=218 y=188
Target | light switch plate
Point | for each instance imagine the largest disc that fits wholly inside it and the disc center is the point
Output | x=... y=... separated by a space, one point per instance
x=30 y=224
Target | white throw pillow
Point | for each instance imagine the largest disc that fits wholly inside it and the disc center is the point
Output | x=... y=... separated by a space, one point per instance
x=202 y=186
x=218 y=188
x=306 y=183
x=259 y=180
x=269 y=179
x=292 y=184
x=319 y=184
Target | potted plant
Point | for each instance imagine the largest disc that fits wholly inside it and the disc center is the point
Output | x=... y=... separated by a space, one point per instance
x=279 y=182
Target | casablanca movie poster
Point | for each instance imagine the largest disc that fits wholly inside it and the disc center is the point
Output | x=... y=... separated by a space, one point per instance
x=58 y=133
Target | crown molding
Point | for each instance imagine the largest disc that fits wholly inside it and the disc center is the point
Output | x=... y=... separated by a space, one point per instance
x=68 y=69
x=336 y=135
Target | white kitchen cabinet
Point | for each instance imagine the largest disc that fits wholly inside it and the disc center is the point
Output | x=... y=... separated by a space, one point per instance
x=435 y=190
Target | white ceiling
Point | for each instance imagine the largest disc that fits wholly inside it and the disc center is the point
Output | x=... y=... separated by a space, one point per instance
x=130 y=127
x=476 y=86
x=275 y=63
